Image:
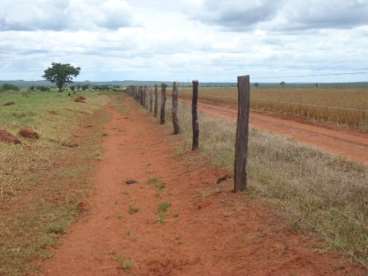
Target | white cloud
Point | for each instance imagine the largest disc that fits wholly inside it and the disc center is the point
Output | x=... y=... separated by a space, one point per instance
x=175 y=40
x=57 y=15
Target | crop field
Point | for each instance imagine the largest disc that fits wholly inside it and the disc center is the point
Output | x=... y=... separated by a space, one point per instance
x=342 y=107
x=43 y=181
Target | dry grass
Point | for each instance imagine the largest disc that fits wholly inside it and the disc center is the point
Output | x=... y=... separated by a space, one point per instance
x=43 y=182
x=314 y=190
x=347 y=107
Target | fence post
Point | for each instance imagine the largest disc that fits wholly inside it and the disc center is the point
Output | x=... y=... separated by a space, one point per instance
x=155 y=111
x=195 y=124
x=145 y=96
x=175 y=119
x=242 y=133
x=141 y=94
x=150 y=100
x=163 y=103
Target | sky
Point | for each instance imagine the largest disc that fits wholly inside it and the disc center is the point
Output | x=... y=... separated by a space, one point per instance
x=182 y=40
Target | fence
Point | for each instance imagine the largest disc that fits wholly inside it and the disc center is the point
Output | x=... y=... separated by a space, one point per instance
x=140 y=94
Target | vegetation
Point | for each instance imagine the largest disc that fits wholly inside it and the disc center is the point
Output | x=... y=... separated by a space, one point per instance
x=314 y=190
x=124 y=264
x=39 y=197
x=162 y=210
x=344 y=107
x=9 y=87
x=61 y=74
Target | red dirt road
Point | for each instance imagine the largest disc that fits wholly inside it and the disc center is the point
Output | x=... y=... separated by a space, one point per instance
x=347 y=143
x=207 y=231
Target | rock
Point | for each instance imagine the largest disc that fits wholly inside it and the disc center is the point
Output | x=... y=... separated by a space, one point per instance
x=8 y=138
x=80 y=99
x=29 y=133
x=131 y=182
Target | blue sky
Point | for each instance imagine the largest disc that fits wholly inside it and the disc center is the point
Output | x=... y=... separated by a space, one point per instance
x=291 y=40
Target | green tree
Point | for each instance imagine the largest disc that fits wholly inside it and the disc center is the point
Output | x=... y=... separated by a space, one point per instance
x=61 y=74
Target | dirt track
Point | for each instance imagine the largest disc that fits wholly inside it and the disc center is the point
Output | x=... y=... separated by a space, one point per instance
x=347 y=143
x=207 y=231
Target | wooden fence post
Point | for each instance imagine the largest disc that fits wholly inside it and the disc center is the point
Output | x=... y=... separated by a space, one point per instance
x=155 y=109
x=163 y=103
x=145 y=96
x=141 y=95
x=195 y=124
x=175 y=119
x=242 y=133
x=150 y=100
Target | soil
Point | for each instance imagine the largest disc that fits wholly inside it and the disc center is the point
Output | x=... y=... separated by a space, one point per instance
x=8 y=138
x=350 y=144
x=29 y=133
x=80 y=99
x=208 y=230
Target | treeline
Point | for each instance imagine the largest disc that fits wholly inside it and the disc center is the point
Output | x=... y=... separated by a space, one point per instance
x=73 y=88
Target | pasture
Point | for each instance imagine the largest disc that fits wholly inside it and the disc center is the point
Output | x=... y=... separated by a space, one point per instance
x=42 y=182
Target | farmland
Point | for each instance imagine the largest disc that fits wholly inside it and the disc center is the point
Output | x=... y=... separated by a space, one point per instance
x=341 y=107
x=107 y=141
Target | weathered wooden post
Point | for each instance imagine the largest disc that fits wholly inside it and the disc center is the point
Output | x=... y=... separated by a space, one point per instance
x=242 y=133
x=195 y=124
x=163 y=103
x=155 y=111
x=175 y=119
x=145 y=96
x=150 y=100
x=141 y=95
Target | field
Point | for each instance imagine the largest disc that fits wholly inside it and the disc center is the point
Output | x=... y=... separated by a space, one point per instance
x=100 y=144
x=342 y=107
x=42 y=182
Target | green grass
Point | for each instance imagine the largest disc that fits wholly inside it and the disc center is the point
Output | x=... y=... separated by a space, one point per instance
x=41 y=187
x=124 y=263
x=157 y=183
x=162 y=210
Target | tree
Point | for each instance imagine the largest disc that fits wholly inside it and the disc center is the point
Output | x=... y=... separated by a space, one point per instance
x=61 y=74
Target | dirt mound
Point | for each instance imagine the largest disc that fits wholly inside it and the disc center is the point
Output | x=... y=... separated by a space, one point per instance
x=8 y=138
x=9 y=103
x=80 y=99
x=29 y=133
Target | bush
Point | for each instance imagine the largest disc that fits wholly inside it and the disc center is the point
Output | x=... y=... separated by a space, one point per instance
x=9 y=87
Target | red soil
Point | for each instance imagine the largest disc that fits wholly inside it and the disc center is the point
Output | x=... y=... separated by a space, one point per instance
x=350 y=144
x=8 y=138
x=29 y=133
x=208 y=230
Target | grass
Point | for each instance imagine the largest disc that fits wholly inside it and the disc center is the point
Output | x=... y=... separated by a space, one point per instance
x=162 y=210
x=344 y=107
x=157 y=183
x=124 y=264
x=41 y=186
x=315 y=191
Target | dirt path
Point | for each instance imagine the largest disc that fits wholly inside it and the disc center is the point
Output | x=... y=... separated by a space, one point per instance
x=208 y=230
x=350 y=144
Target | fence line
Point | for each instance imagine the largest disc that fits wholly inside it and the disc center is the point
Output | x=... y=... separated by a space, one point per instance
x=241 y=141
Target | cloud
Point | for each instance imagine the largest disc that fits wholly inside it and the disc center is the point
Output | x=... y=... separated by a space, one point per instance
x=237 y=14
x=58 y=15
x=284 y=15
x=315 y=14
